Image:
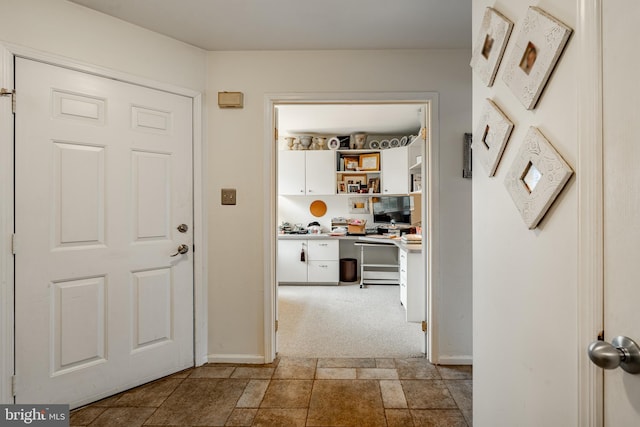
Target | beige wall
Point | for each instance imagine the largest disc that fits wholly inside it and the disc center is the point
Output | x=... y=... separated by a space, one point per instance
x=236 y=138
x=525 y=281
x=79 y=33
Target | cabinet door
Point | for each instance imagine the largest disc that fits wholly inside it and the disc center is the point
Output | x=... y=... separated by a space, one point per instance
x=291 y=173
x=403 y=277
x=324 y=272
x=290 y=268
x=321 y=172
x=324 y=250
x=395 y=170
x=415 y=287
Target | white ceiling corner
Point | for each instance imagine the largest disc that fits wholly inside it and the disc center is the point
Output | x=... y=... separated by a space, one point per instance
x=300 y=24
x=227 y=25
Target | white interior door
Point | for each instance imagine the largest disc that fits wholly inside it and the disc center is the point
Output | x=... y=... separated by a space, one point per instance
x=622 y=202
x=103 y=179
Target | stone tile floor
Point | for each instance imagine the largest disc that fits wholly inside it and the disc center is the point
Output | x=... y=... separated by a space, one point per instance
x=295 y=392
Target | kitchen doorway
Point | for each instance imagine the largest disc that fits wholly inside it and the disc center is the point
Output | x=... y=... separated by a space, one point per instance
x=297 y=106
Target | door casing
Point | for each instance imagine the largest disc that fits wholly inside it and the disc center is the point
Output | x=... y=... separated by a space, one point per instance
x=590 y=209
x=430 y=203
x=7 y=53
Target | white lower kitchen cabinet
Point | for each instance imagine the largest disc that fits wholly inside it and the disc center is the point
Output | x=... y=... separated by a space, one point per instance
x=321 y=265
x=412 y=286
x=323 y=261
x=323 y=272
x=290 y=267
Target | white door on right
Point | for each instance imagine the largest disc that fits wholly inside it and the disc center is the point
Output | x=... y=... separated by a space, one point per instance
x=621 y=90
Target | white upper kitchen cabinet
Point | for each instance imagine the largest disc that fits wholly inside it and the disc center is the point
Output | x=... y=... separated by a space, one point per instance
x=321 y=172
x=306 y=173
x=291 y=173
x=395 y=170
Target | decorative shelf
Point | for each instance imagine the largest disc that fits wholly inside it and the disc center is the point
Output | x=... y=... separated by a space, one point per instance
x=417 y=166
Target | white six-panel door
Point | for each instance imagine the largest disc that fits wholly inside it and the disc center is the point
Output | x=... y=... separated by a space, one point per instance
x=103 y=179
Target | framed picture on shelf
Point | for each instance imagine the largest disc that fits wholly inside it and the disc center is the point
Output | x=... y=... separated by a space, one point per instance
x=353 y=188
x=374 y=185
x=351 y=163
x=370 y=162
x=342 y=187
x=416 y=182
x=356 y=179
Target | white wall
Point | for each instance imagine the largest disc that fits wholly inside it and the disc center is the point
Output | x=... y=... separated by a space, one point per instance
x=71 y=31
x=525 y=282
x=295 y=210
x=236 y=284
x=79 y=33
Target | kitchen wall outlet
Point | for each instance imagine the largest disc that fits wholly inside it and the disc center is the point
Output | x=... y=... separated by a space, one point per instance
x=228 y=196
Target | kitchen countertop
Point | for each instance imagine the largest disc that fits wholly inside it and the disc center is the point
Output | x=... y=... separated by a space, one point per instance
x=411 y=247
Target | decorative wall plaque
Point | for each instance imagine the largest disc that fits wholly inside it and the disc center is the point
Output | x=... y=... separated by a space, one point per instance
x=536 y=177
x=491 y=137
x=538 y=47
x=492 y=40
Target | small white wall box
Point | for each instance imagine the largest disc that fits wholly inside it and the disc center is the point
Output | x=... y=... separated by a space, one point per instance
x=230 y=99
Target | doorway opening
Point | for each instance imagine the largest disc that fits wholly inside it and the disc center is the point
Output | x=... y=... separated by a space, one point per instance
x=316 y=318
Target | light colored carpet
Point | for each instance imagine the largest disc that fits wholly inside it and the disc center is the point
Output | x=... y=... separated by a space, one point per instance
x=345 y=321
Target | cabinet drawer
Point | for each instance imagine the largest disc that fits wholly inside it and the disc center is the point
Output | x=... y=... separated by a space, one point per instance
x=323 y=272
x=324 y=250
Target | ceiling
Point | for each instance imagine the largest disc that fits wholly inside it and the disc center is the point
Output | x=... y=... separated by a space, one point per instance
x=300 y=24
x=223 y=25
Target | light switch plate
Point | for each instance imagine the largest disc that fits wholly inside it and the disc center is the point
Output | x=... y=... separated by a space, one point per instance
x=228 y=196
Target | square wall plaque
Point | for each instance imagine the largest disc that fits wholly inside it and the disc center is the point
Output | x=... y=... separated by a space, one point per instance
x=538 y=47
x=536 y=177
x=491 y=136
x=489 y=48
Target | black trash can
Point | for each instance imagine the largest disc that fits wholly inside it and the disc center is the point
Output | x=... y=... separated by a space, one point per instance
x=348 y=269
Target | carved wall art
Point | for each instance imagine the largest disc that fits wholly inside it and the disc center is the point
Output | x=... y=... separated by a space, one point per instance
x=538 y=47
x=494 y=34
x=536 y=177
x=491 y=137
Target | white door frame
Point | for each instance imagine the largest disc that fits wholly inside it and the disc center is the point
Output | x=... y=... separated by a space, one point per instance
x=7 y=53
x=430 y=204
x=590 y=209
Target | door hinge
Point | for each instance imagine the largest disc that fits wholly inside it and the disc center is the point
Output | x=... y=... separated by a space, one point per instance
x=275 y=133
x=14 y=244
x=12 y=93
x=424 y=326
x=423 y=133
x=276 y=326
x=13 y=386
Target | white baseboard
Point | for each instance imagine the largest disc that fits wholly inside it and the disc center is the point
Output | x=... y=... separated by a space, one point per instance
x=254 y=359
x=455 y=360
x=199 y=361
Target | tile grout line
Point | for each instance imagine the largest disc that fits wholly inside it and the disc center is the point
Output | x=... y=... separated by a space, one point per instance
x=165 y=399
x=446 y=384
